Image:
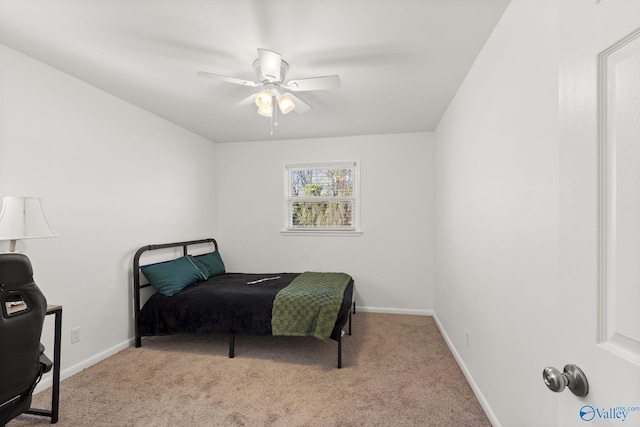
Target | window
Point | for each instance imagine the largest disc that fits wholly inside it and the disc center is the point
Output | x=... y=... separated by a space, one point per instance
x=321 y=198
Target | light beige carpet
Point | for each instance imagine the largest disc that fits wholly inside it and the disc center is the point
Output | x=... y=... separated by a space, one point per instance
x=397 y=371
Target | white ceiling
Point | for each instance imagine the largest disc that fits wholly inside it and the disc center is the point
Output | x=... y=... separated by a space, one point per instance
x=400 y=61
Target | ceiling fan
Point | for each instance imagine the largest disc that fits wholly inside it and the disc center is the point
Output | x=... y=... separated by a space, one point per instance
x=271 y=71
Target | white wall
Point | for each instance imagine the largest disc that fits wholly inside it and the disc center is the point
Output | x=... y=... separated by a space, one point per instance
x=112 y=178
x=391 y=262
x=497 y=217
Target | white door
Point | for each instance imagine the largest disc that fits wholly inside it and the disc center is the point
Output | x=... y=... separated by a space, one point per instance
x=600 y=209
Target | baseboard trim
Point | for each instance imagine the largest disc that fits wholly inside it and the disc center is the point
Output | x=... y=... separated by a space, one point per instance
x=47 y=381
x=415 y=312
x=476 y=390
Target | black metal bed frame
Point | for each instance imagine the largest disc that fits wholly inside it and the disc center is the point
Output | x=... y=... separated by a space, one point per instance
x=137 y=286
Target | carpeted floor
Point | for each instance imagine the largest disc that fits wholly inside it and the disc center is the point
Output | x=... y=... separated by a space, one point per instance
x=397 y=371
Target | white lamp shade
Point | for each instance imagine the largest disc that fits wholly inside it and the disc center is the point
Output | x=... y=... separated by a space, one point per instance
x=285 y=103
x=263 y=99
x=266 y=111
x=22 y=218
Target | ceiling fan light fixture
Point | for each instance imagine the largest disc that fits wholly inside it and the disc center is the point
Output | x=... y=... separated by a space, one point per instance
x=263 y=99
x=271 y=71
x=285 y=103
x=266 y=111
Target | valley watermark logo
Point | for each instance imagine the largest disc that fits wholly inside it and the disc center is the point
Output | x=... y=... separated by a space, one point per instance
x=614 y=413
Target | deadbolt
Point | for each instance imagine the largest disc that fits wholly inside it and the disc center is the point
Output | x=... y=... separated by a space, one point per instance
x=572 y=377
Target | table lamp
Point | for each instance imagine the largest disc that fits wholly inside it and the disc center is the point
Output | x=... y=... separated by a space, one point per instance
x=22 y=218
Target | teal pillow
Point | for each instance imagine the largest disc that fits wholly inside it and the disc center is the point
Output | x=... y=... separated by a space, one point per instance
x=171 y=276
x=210 y=263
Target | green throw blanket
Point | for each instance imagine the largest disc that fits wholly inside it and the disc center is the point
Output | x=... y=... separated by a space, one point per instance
x=309 y=306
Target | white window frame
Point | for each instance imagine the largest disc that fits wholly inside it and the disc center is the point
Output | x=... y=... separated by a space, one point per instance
x=354 y=230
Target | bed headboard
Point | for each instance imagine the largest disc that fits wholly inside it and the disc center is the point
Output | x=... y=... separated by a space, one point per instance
x=136 y=271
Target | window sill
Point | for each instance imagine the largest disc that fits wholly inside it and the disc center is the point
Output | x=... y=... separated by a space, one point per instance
x=329 y=233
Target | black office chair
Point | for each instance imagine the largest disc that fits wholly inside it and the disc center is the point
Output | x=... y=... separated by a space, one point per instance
x=22 y=359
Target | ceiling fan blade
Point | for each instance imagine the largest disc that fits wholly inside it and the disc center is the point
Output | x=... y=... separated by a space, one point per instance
x=300 y=105
x=270 y=63
x=227 y=79
x=314 y=83
x=249 y=100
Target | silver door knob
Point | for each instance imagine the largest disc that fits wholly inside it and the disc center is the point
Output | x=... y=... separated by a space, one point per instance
x=572 y=377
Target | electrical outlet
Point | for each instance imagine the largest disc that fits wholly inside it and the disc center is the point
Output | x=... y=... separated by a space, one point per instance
x=75 y=335
x=468 y=334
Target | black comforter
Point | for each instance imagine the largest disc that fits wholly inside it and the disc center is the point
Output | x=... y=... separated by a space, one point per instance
x=224 y=304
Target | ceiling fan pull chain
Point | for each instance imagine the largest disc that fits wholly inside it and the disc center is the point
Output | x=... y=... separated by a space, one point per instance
x=272 y=113
x=275 y=110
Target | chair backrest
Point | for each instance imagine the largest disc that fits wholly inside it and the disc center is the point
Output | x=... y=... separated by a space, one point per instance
x=22 y=311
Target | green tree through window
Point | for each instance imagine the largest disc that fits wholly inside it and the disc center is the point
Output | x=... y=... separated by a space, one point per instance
x=321 y=197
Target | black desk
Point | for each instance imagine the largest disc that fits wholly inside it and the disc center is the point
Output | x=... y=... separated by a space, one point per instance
x=55 y=394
